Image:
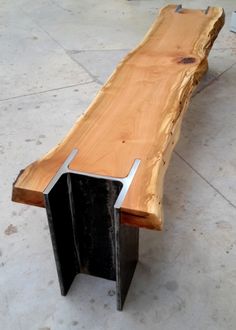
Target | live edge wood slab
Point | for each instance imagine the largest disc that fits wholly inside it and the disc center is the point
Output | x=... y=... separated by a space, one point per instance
x=136 y=115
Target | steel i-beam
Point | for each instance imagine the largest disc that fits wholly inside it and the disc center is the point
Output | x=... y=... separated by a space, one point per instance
x=87 y=235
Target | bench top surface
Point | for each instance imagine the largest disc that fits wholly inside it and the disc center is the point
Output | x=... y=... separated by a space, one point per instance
x=136 y=115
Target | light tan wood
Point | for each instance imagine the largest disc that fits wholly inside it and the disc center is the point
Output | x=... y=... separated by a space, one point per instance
x=136 y=115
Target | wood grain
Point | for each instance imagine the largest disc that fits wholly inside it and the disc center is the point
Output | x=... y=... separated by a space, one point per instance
x=136 y=115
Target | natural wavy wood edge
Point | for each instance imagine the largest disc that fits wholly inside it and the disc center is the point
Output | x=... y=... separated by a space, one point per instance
x=143 y=204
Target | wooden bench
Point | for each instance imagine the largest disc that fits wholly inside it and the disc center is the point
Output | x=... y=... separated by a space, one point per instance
x=108 y=171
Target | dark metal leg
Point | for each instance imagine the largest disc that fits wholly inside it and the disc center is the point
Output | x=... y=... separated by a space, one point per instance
x=127 y=246
x=61 y=230
x=92 y=202
x=86 y=233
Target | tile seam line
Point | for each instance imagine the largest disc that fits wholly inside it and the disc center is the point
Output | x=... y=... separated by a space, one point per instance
x=213 y=80
x=223 y=48
x=204 y=179
x=64 y=49
x=58 y=44
x=95 y=79
x=46 y=91
x=98 y=50
x=60 y=7
x=85 y=69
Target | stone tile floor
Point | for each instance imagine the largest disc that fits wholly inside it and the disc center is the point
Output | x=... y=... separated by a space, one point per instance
x=55 y=55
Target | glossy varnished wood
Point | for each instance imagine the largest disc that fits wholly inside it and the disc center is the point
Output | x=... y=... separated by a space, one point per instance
x=136 y=115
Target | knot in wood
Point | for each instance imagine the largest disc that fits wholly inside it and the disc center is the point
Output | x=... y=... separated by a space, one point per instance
x=187 y=60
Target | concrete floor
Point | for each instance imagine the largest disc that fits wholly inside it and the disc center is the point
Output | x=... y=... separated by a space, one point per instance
x=55 y=55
